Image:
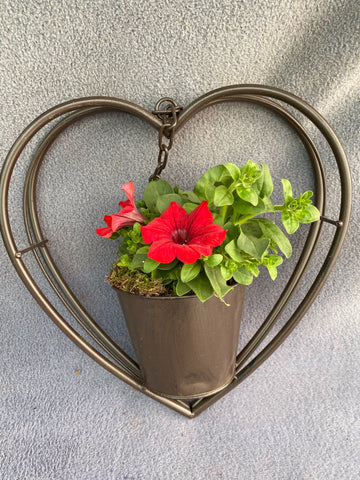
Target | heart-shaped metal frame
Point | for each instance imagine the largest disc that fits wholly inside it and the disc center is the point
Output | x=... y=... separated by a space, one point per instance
x=117 y=361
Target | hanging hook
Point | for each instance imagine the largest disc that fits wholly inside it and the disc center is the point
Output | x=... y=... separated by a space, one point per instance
x=168 y=115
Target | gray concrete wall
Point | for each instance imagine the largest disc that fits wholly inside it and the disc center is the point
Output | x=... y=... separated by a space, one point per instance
x=62 y=416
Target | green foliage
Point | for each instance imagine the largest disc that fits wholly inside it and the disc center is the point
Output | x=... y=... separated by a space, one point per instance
x=222 y=196
x=217 y=281
x=243 y=276
x=205 y=187
x=237 y=197
x=163 y=201
x=273 y=232
x=214 y=260
x=189 y=271
x=254 y=246
x=182 y=288
x=201 y=286
x=150 y=265
x=297 y=210
x=267 y=185
x=153 y=191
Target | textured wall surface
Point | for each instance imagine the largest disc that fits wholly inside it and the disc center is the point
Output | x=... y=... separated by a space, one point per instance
x=61 y=415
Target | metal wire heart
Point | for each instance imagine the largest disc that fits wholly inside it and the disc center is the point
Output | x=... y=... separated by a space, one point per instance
x=120 y=364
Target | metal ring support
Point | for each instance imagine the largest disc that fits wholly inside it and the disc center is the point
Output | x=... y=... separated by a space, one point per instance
x=342 y=223
x=29 y=205
x=125 y=368
x=32 y=225
x=15 y=152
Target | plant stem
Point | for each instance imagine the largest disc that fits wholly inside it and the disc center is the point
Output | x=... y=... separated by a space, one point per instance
x=244 y=219
x=223 y=211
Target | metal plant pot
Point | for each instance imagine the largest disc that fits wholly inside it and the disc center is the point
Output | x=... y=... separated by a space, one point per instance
x=186 y=349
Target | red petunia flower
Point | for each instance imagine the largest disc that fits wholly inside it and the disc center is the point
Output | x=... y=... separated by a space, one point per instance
x=177 y=234
x=126 y=217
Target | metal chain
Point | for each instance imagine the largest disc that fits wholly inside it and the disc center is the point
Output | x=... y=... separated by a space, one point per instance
x=168 y=115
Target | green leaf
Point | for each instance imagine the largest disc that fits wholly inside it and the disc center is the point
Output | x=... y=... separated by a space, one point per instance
x=271 y=262
x=214 y=259
x=137 y=227
x=272 y=271
x=307 y=195
x=243 y=277
x=248 y=194
x=217 y=280
x=308 y=214
x=233 y=251
x=267 y=186
x=222 y=196
x=251 y=268
x=181 y=288
x=154 y=190
x=218 y=219
x=287 y=190
x=272 y=231
x=242 y=207
x=143 y=249
x=209 y=192
x=165 y=275
x=201 y=286
x=115 y=235
x=163 y=202
x=256 y=247
x=226 y=272
x=205 y=185
x=257 y=186
x=252 y=229
x=189 y=207
x=150 y=265
x=250 y=181
x=139 y=260
x=191 y=196
x=250 y=172
x=290 y=222
x=233 y=231
x=189 y=271
x=124 y=261
x=168 y=266
x=233 y=170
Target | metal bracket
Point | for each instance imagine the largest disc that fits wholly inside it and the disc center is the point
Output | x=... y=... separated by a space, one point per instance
x=30 y=248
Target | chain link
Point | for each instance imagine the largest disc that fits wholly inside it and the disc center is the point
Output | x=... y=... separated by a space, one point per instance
x=168 y=116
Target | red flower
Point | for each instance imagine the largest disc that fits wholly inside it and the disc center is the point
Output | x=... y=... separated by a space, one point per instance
x=177 y=234
x=126 y=217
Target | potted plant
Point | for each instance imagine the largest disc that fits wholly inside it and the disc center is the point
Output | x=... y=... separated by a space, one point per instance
x=184 y=262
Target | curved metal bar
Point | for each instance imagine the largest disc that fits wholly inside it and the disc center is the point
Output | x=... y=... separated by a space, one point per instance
x=57 y=282
x=257 y=339
x=317 y=163
x=314 y=232
x=252 y=93
x=34 y=127
x=19 y=145
x=303 y=107
x=16 y=259
x=342 y=224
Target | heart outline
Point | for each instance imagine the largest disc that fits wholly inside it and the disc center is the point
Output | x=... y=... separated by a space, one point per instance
x=91 y=105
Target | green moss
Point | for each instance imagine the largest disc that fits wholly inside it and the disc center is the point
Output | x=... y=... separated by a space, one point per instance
x=133 y=281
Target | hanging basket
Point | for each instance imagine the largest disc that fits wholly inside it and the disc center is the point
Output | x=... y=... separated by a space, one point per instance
x=154 y=380
x=185 y=348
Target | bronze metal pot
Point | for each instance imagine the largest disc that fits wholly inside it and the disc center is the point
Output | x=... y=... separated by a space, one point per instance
x=186 y=349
